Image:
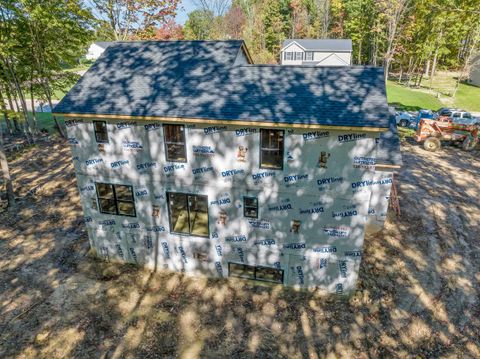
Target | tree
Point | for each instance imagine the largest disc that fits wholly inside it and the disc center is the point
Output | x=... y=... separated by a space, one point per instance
x=276 y=20
x=169 y=31
x=134 y=18
x=235 y=22
x=199 y=25
x=6 y=171
x=394 y=11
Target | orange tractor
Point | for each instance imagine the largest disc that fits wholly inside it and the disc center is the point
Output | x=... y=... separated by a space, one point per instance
x=432 y=132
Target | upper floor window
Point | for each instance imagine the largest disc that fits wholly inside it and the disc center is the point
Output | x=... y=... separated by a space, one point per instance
x=174 y=136
x=116 y=199
x=309 y=56
x=298 y=55
x=250 y=207
x=188 y=214
x=271 y=149
x=288 y=55
x=100 y=129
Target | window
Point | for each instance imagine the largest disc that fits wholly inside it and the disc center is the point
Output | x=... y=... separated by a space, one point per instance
x=116 y=199
x=265 y=274
x=288 y=55
x=100 y=129
x=250 y=207
x=467 y=115
x=188 y=214
x=309 y=56
x=298 y=55
x=271 y=149
x=175 y=143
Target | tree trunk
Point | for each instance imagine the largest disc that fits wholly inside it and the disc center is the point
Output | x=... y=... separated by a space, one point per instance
x=16 y=126
x=401 y=74
x=6 y=174
x=473 y=46
x=360 y=53
x=387 y=67
x=46 y=88
x=420 y=79
x=434 y=67
x=32 y=102
x=13 y=78
x=3 y=107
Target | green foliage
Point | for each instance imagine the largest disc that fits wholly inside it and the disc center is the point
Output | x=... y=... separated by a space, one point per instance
x=199 y=25
x=37 y=40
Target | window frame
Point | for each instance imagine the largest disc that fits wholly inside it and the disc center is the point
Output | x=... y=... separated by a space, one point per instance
x=96 y=132
x=115 y=199
x=307 y=54
x=188 y=214
x=288 y=54
x=165 y=143
x=262 y=149
x=255 y=267
x=245 y=206
x=295 y=56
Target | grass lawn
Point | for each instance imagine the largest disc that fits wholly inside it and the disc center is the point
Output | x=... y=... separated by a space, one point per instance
x=468 y=98
x=442 y=85
x=409 y=99
x=44 y=120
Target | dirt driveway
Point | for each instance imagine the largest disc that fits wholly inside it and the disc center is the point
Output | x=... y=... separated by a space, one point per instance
x=418 y=293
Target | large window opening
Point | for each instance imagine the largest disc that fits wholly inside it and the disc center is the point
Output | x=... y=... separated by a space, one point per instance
x=175 y=149
x=116 y=199
x=265 y=274
x=188 y=214
x=271 y=149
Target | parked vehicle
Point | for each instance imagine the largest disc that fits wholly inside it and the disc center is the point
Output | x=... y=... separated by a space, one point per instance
x=457 y=115
x=423 y=114
x=403 y=118
x=431 y=132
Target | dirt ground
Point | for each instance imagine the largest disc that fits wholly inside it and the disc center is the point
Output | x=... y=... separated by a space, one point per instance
x=418 y=295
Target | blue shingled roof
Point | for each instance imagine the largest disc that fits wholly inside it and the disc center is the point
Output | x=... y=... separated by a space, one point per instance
x=198 y=79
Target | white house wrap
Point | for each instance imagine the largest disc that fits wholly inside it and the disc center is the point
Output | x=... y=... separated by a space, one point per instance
x=219 y=211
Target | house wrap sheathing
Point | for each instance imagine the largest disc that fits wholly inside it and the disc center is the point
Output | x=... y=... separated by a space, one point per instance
x=222 y=211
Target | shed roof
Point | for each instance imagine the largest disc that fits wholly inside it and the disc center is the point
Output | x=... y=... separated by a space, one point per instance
x=333 y=45
x=198 y=79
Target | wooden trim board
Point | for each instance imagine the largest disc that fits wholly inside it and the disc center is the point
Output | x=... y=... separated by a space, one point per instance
x=225 y=122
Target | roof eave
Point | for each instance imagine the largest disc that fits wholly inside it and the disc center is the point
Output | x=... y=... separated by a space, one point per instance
x=186 y=120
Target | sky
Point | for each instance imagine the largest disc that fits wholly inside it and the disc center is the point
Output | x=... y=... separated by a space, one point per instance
x=185 y=7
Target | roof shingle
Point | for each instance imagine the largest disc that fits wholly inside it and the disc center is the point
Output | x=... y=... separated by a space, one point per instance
x=197 y=79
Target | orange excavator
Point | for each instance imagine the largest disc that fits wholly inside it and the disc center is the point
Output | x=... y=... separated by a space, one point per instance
x=432 y=132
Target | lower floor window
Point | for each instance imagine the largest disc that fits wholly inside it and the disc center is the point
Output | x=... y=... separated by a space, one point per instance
x=266 y=274
x=116 y=199
x=188 y=214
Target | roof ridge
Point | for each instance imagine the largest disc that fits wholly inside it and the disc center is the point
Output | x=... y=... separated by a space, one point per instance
x=171 y=41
